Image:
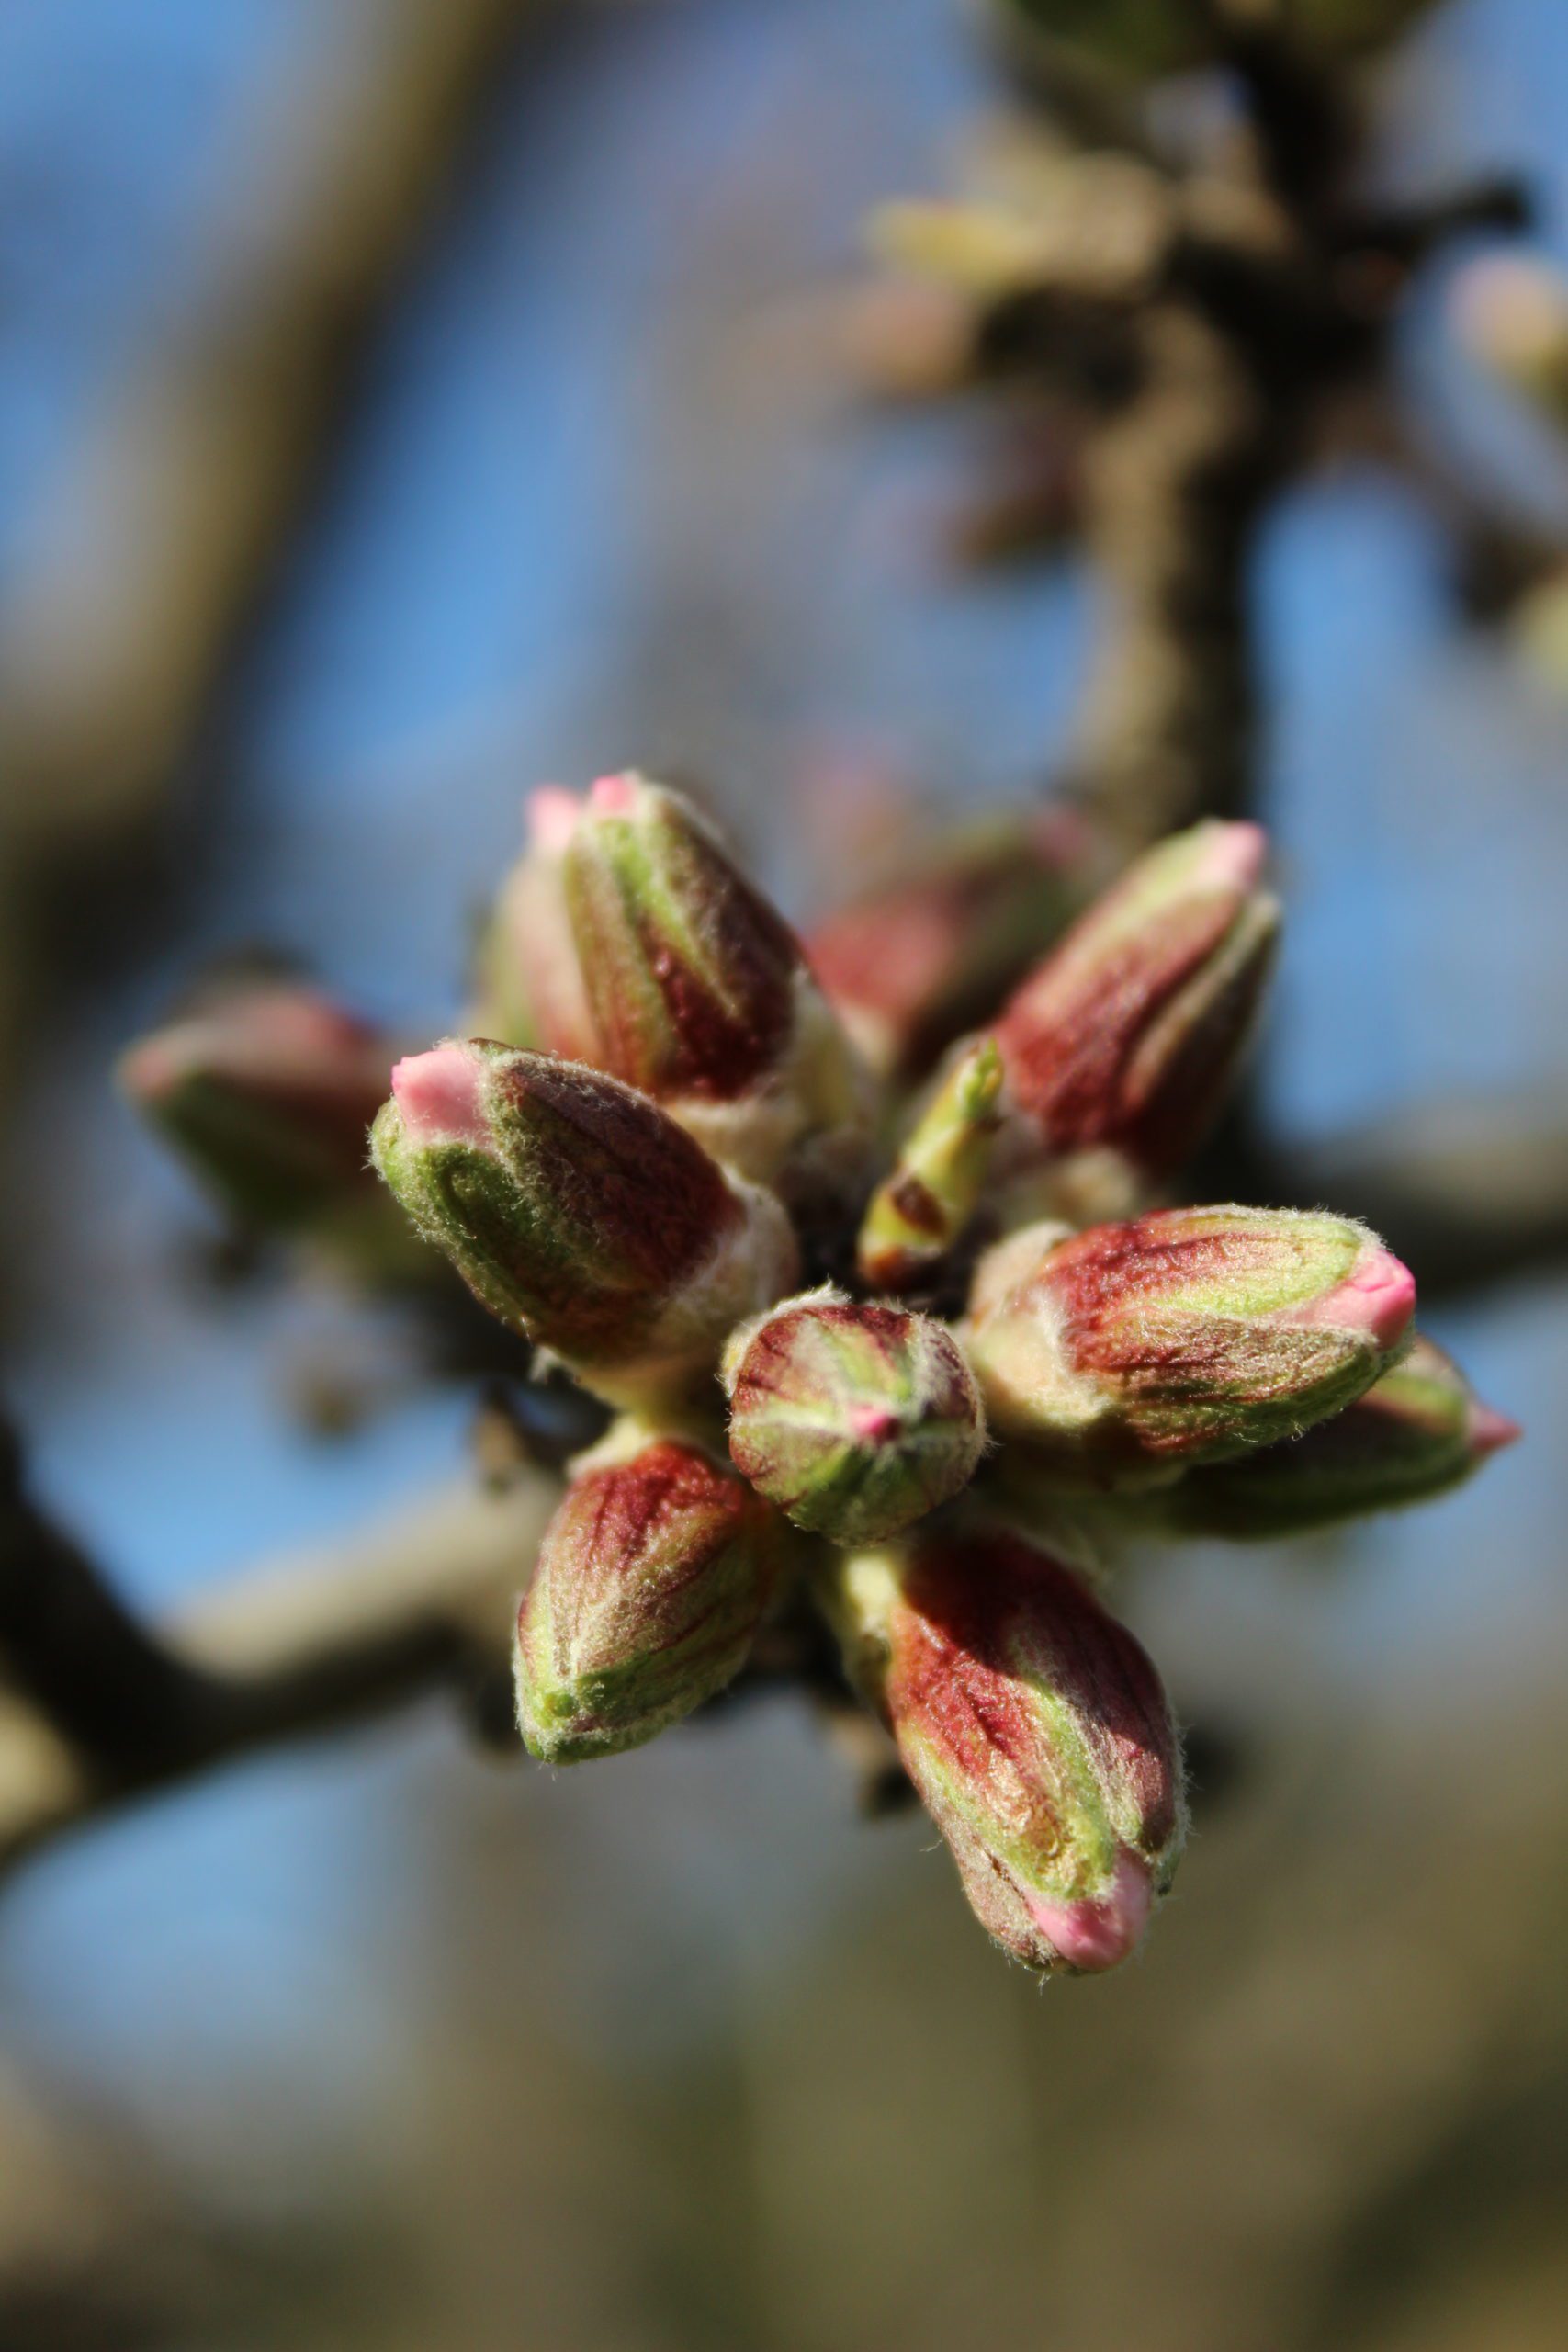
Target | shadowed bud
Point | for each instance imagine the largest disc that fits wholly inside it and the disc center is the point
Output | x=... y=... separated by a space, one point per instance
x=697 y=989
x=856 y=1420
x=529 y=983
x=912 y=966
x=1122 y=1048
x=1417 y=1432
x=268 y=1093
x=578 y=1214
x=1512 y=312
x=1183 y=1336
x=922 y=1209
x=1036 y=1732
x=652 y=1582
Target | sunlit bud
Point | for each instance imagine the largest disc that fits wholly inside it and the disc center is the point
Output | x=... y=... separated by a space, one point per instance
x=856 y=1420
x=1512 y=312
x=922 y=1209
x=268 y=1093
x=651 y=1584
x=1417 y=1432
x=913 y=966
x=580 y=1214
x=1036 y=1732
x=1123 y=1045
x=1182 y=1335
x=698 y=990
x=529 y=982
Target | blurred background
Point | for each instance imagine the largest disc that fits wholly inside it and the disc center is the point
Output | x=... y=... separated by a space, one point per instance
x=403 y=402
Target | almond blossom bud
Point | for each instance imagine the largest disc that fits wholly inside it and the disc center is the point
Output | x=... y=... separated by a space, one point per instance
x=652 y=1580
x=1036 y=1732
x=922 y=1209
x=1121 y=1048
x=912 y=966
x=268 y=1092
x=1417 y=1432
x=580 y=1214
x=855 y=1420
x=530 y=985
x=698 y=990
x=1182 y=1335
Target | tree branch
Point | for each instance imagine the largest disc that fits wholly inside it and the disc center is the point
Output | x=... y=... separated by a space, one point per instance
x=290 y=1651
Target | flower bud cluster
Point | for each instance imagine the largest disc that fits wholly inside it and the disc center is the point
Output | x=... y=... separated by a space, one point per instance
x=900 y=1403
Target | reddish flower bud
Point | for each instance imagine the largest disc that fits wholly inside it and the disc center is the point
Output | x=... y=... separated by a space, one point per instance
x=855 y=1420
x=1124 y=1045
x=268 y=1093
x=1036 y=1732
x=1417 y=1432
x=580 y=1214
x=652 y=1580
x=1182 y=1335
x=912 y=966
x=698 y=992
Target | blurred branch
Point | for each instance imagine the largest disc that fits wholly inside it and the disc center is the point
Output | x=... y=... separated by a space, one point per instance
x=103 y=1709
x=110 y=645
x=1467 y=1195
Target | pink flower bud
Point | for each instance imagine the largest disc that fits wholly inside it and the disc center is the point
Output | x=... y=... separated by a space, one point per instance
x=1036 y=1732
x=268 y=1092
x=1126 y=1039
x=1183 y=1336
x=580 y=1214
x=651 y=1584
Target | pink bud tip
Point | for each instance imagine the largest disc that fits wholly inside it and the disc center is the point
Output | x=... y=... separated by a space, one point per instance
x=1491 y=1431
x=552 y=817
x=873 y=1424
x=614 y=795
x=438 y=1094
x=1378 y=1298
x=1092 y=1936
x=1233 y=858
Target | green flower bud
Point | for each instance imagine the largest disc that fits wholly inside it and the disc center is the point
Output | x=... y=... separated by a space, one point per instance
x=1036 y=1732
x=580 y=1215
x=1121 y=1050
x=1417 y=1432
x=698 y=990
x=922 y=1209
x=855 y=1420
x=1181 y=1337
x=1512 y=312
x=652 y=1580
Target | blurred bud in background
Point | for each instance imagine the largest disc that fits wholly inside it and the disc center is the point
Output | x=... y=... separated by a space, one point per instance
x=267 y=1091
x=914 y=964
